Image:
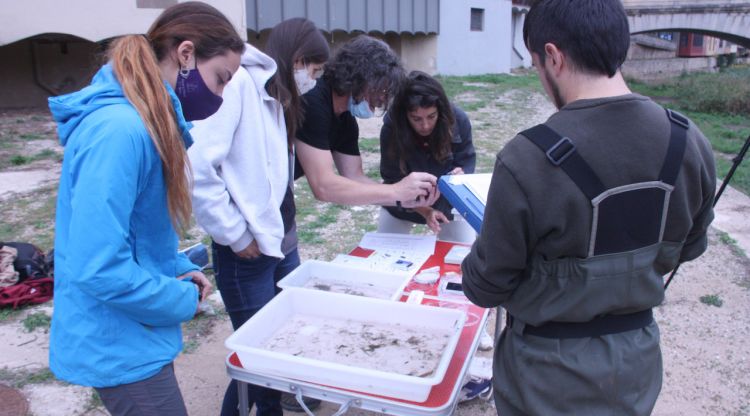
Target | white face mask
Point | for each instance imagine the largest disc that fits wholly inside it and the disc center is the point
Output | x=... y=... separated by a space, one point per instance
x=304 y=81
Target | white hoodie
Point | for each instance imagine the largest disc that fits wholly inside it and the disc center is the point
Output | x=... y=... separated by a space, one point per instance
x=240 y=162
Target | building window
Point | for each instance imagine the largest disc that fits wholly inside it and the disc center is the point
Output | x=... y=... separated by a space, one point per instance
x=665 y=35
x=697 y=40
x=684 y=39
x=477 y=20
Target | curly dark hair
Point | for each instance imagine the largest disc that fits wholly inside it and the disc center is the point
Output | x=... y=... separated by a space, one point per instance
x=420 y=90
x=365 y=67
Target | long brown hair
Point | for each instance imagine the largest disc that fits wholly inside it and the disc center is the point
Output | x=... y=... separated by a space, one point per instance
x=135 y=61
x=420 y=91
x=289 y=41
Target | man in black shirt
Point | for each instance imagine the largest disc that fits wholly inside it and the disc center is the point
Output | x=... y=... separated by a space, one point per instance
x=358 y=81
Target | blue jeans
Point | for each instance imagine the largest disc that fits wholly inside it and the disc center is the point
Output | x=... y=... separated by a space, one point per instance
x=245 y=286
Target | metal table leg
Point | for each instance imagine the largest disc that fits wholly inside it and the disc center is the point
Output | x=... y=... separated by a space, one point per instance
x=242 y=394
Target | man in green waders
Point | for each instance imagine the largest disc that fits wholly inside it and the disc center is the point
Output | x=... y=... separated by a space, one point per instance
x=585 y=215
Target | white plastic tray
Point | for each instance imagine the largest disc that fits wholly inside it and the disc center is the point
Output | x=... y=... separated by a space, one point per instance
x=248 y=340
x=391 y=283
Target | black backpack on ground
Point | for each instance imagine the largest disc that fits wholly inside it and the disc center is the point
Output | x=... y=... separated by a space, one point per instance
x=30 y=263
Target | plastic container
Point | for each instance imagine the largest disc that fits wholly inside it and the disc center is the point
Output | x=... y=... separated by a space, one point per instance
x=385 y=285
x=249 y=339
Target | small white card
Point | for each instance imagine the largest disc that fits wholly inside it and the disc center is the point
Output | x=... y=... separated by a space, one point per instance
x=456 y=254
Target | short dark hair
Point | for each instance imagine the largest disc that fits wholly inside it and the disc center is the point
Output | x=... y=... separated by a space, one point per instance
x=363 y=65
x=594 y=34
x=420 y=90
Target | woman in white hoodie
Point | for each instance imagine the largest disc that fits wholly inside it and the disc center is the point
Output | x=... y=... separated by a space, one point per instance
x=242 y=192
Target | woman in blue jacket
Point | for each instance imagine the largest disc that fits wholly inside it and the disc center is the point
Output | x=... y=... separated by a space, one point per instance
x=121 y=289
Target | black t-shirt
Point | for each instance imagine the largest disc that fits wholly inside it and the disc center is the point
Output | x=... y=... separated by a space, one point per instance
x=322 y=129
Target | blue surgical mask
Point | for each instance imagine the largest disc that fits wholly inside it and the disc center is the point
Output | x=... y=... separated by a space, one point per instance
x=361 y=109
x=198 y=102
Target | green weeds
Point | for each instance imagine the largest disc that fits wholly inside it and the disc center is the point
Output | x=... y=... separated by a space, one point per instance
x=712 y=300
x=37 y=320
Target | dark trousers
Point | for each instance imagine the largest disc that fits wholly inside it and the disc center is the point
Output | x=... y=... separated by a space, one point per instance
x=245 y=286
x=155 y=396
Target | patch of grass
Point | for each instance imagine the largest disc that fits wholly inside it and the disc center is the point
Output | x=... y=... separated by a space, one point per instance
x=23 y=215
x=732 y=244
x=369 y=145
x=725 y=127
x=18 y=160
x=48 y=154
x=310 y=233
x=94 y=402
x=712 y=300
x=474 y=92
x=8 y=314
x=19 y=379
x=726 y=92
x=190 y=346
x=37 y=320
x=31 y=136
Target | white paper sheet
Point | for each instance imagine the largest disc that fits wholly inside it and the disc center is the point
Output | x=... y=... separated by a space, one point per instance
x=399 y=242
x=395 y=253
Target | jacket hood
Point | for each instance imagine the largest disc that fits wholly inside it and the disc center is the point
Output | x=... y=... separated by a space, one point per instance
x=260 y=66
x=70 y=109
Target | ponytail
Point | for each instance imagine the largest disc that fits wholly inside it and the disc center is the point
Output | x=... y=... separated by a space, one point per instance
x=136 y=68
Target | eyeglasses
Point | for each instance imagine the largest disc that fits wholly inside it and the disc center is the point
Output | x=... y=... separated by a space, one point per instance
x=377 y=98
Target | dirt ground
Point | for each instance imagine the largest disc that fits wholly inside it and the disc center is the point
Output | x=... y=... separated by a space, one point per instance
x=704 y=321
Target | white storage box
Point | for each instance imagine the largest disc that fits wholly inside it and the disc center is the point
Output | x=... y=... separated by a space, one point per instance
x=250 y=339
x=323 y=276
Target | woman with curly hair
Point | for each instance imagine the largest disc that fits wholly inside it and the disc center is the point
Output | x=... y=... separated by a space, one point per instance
x=358 y=82
x=424 y=132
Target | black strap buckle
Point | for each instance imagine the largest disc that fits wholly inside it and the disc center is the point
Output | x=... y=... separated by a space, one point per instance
x=678 y=118
x=560 y=151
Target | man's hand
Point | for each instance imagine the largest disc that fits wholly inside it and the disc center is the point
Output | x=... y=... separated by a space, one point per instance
x=427 y=201
x=250 y=252
x=457 y=171
x=418 y=189
x=204 y=285
x=433 y=218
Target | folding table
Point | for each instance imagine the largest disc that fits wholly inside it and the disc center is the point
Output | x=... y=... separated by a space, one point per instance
x=443 y=397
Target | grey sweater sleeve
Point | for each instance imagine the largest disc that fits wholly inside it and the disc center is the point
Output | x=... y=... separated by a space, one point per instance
x=496 y=263
x=697 y=241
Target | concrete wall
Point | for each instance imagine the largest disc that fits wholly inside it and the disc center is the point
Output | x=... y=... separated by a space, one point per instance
x=417 y=52
x=94 y=20
x=31 y=71
x=461 y=51
x=656 y=69
x=48 y=47
x=520 y=56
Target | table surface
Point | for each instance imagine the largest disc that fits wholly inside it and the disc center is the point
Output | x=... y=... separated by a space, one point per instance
x=443 y=395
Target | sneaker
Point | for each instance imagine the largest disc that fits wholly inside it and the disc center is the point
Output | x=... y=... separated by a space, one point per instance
x=289 y=402
x=476 y=387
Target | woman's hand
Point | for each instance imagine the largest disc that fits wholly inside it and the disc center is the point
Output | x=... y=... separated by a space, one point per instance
x=250 y=252
x=201 y=281
x=457 y=171
x=432 y=217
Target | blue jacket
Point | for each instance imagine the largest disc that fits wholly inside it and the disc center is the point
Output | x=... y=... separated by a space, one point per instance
x=118 y=306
